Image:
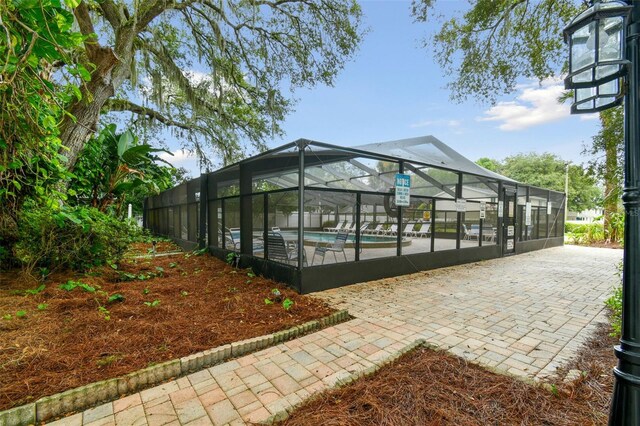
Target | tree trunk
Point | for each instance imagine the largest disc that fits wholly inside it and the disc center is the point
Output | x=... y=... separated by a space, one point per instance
x=111 y=69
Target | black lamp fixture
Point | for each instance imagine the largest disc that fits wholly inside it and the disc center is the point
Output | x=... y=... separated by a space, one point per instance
x=596 y=58
x=604 y=71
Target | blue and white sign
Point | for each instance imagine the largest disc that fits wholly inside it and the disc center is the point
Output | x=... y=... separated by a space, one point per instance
x=403 y=189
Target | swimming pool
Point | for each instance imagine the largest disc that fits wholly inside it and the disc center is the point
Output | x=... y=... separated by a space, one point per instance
x=311 y=238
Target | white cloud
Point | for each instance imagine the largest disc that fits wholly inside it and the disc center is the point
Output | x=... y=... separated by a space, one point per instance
x=536 y=104
x=180 y=157
x=440 y=123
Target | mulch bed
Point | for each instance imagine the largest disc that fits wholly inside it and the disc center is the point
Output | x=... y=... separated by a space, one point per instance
x=428 y=387
x=174 y=306
x=162 y=246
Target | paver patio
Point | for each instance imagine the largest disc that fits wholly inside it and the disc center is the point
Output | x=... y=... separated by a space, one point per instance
x=525 y=314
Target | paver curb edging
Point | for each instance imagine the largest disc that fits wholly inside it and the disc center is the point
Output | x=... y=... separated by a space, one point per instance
x=282 y=415
x=87 y=396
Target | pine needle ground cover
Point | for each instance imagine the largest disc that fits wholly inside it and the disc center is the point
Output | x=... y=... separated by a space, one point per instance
x=78 y=329
x=427 y=387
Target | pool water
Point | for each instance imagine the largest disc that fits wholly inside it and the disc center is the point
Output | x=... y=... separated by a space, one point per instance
x=311 y=238
x=371 y=241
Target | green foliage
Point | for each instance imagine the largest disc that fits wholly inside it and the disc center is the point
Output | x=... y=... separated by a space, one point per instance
x=37 y=42
x=7 y=317
x=200 y=252
x=287 y=304
x=35 y=291
x=21 y=314
x=104 y=312
x=42 y=306
x=152 y=304
x=490 y=45
x=112 y=166
x=71 y=237
x=587 y=233
x=232 y=258
x=42 y=41
x=548 y=171
x=117 y=297
x=71 y=285
x=614 y=303
x=609 y=167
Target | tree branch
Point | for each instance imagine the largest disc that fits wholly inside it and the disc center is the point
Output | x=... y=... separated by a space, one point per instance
x=111 y=13
x=155 y=8
x=113 y=105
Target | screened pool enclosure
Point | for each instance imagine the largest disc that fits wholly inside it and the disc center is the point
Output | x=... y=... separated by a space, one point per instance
x=319 y=216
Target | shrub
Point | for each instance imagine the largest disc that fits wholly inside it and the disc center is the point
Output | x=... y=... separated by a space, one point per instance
x=614 y=303
x=587 y=233
x=76 y=238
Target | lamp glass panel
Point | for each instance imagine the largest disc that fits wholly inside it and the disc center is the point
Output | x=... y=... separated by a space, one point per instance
x=610 y=40
x=583 y=47
x=603 y=71
x=608 y=88
x=583 y=77
x=582 y=94
x=603 y=101
x=585 y=105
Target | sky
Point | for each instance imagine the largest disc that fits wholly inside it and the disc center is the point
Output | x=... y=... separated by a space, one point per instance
x=394 y=89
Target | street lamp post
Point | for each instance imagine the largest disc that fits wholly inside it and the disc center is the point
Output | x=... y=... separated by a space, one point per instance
x=597 y=76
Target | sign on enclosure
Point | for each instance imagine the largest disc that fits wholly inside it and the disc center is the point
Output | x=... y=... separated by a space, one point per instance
x=403 y=189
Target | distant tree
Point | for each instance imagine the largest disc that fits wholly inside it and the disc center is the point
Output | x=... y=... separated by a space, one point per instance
x=489 y=164
x=548 y=171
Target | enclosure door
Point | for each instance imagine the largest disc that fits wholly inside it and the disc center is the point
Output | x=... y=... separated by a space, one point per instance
x=509 y=222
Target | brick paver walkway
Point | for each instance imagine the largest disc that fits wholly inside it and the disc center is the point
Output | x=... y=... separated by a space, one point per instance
x=524 y=314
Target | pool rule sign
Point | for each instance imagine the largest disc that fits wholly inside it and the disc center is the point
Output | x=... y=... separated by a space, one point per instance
x=403 y=189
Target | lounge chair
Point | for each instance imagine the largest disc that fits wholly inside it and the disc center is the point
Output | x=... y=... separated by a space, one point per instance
x=425 y=231
x=230 y=242
x=280 y=252
x=335 y=228
x=336 y=246
x=489 y=233
x=408 y=229
x=363 y=227
x=377 y=230
x=393 y=230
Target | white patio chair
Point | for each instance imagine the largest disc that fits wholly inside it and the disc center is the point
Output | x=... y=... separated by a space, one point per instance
x=425 y=231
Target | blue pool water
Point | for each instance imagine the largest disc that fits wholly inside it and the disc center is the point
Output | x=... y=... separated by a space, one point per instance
x=313 y=237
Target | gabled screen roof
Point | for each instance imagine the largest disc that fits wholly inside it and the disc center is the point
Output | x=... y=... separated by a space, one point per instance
x=430 y=151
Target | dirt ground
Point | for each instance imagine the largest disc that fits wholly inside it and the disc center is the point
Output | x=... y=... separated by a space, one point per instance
x=428 y=387
x=169 y=306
